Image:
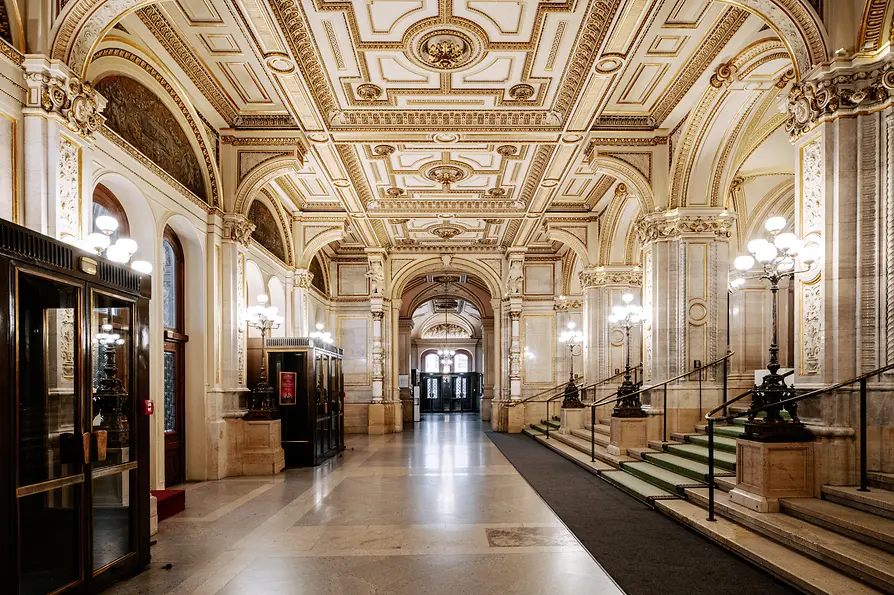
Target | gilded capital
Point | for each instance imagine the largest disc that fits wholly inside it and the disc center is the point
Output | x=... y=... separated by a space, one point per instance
x=673 y=224
x=303 y=278
x=52 y=89
x=238 y=229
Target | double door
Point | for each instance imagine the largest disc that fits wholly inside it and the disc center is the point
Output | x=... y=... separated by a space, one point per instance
x=328 y=434
x=72 y=510
x=448 y=393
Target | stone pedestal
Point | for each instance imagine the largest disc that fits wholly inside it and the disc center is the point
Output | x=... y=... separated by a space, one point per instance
x=571 y=419
x=516 y=419
x=627 y=432
x=767 y=471
x=485 y=409
x=263 y=453
x=376 y=424
x=153 y=515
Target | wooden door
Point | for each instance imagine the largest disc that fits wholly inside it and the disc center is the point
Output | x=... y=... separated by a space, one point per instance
x=174 y=405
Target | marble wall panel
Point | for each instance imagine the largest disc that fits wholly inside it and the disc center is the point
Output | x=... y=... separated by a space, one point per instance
x=353 y=337
x=352 y=279
x=539 y=279
x=539 y=345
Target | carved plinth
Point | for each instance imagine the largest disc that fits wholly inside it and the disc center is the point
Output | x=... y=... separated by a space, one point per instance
x=768 y=471
x=262 y=453
x=515 y=422
x=376 y=424
x=627 y=432
x=571 y=419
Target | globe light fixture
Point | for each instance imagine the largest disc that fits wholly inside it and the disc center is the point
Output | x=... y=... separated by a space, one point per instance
x=627 y=317
x=264 y=318
x=574 y=339
x=323 y=336
x=100 y=243
x=782 y=256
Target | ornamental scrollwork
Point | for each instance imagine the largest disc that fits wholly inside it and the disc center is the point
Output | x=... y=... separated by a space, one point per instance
x=601 y=277
x=655 y=228
x=73 y=99
x=303 y=279
x=812 y=102
x=239 y=230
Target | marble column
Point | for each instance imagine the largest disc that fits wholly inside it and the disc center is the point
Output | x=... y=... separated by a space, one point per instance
x=405 y=365
x=61 y=116
x=489 y=371
x=603 y=288
x=302 y=326
x=515 y=348
x=685 y=256
x=844 y=307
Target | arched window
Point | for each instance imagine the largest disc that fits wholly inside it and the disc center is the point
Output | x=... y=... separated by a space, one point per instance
x=461 y=363
x=174 y=357
x=105 y=203
x=432 y=363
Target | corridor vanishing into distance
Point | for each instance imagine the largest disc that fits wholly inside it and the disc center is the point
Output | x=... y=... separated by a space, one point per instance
x=434 y=510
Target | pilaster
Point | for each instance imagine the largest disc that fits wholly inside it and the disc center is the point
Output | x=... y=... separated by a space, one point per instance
x=301 y=314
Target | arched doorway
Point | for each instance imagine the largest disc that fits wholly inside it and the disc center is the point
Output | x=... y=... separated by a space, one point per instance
x=106 y=204
x=173 y=319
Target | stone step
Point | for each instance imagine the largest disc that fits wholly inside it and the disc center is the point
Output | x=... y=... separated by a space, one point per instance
x=686 y=467
x=721 y=443
x=638 y=488
x=862 y=526
x=603 y=429
x=554 y=425
x=876 y=501
x=570 y=453
x=661 y=477
x=700 y=453
x=884 y=481
x=792 y=567
x=601 y=439
x=847 y=555
x=740 y=421
x=584 y=446
x=725 y=483
x=730 y=431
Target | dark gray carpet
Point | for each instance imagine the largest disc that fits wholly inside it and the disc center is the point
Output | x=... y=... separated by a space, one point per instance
x=645 y=552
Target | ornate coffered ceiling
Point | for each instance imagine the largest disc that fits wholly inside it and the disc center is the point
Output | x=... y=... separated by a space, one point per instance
x=436 y=123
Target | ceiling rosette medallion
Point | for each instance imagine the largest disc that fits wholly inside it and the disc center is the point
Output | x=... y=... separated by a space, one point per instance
x=446 y=231
x=446 y=49
x=445 y=174
x=369 y=92
x=522 y=92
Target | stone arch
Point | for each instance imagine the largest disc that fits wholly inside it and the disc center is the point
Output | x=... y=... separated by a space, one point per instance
x=711 y=106
x=457 y=264
x=250 y=185
x=317 y=243
x=621 y=217
x=799 y=27
x=572 y=241
x=408 y=307
x=173 y=97
x=637 y=183
x=282 y=226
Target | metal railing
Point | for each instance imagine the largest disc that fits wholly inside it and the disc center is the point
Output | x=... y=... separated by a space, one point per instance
x=615 y=398
x=591 y=387
x=753 y=411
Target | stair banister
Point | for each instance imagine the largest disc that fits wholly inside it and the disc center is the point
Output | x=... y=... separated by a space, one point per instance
x=861 y=379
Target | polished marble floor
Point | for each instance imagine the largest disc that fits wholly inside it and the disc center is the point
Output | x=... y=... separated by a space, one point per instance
x=434 y=510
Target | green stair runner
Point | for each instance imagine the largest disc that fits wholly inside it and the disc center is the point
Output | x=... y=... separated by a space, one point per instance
x=701 y=454
x=720 y=442
x=636 y=487
x=661 y=477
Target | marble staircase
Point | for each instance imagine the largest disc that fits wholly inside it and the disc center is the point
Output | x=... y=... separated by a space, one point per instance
x=842 y=543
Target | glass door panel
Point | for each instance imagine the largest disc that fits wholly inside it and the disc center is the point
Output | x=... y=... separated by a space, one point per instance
x=112 y=412
x=51 y=442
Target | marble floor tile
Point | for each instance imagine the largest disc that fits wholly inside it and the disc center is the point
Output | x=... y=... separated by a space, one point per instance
x=436 y=510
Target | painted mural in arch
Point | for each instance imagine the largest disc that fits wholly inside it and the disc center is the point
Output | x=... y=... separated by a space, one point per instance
x=140 y=118
x=266 y=231
x=5 y=30
x=319 y=281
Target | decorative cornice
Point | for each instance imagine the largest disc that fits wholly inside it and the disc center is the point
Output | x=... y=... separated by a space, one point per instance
x=10 y=52
x=837 y=94
x=567 y=305
x=673 y=224
x=303 y=278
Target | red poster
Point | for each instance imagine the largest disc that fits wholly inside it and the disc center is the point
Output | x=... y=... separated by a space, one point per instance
x=287 y=382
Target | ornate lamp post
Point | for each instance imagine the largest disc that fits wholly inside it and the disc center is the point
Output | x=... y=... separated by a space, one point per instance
x=627 y=316
x=777 y=259
x=264 y=318
x=574 y=340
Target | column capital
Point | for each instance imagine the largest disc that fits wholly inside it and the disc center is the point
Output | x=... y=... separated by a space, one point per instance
x=303 y=278
x=678 y=223
x=238 y=228
x=54 y=90
x=839 y=89
x=599 y=276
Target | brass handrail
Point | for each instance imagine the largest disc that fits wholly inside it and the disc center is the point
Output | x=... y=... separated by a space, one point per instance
x=752 y=411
